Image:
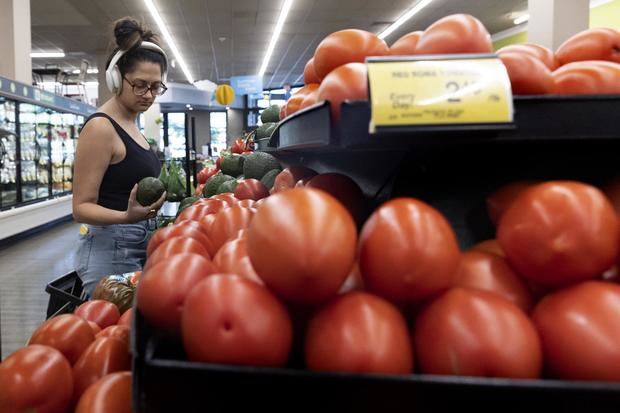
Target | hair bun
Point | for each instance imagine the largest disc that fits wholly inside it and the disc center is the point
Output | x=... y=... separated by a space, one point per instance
x=128 y=33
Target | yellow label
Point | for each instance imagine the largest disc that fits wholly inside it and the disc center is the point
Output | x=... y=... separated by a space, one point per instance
x=83 y=229
x=433 y=92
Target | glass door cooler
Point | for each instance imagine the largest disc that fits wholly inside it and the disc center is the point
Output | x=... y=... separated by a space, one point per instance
x=8 y=154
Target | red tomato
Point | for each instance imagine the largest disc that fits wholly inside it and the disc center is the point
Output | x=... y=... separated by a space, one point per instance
x=218 y=162
x=227 y=223
x=205 y=223
x=491 y=246
x=591 y=44
x=346 y=46
x=35 y=379
x=468 y=332
x=67 y=333
x=126 y=318
x=198 y=191
x=560 y=232
x=310 y=75
x=246 y=203
x=489 y=272
x=135 y=278
x=206 y=173
x=310 y=99
x=302 y=244
x=354 y=280
x=111 y=393
x=200 y=209
x=183 y=229
x=104 y=356
x=408 y=251
x=231 y=320
x=251 y=189
x=94 y=327
x=165 y=285
x=283 y=112
x=173 y=246
x=238 y=146
x=344 y=189
x=587 y=78
x=102 y=312
x=228 y=198
x=233 y=258
x=118 y=331
x=406 y=45
x=580 y=330
x=359 y=333
x=295 y=101
x=540 y=52
x=500 y=200
x=289 y=177
x=458 y=33
x=347 y=82
x=528 y=75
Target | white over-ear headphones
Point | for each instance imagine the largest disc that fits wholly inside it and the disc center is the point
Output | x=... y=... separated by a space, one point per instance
x=113 y=77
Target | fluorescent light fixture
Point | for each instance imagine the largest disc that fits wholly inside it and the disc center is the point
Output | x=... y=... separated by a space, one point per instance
x=521 y=19
x=89 y=71
x=419 y=5
x=37 y=55
x=286 y=7
x=168 y=37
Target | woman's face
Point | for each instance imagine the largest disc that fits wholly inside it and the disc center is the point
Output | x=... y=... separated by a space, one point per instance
x=145 y=74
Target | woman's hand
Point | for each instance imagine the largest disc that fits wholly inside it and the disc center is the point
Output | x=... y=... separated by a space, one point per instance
x=136 y=212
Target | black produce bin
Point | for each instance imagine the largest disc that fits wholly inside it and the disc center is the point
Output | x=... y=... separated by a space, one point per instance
x=66 y=294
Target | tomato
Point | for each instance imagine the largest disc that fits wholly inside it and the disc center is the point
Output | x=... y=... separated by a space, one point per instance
x=310 y=75
x=189 y=229
x=406 y=45
x=228 y=222
x=126 y=318
x=580 y=330
x=489 y=272
x=104 y=356
x=231 y=320
x=528 y=75
x=35 y=378
x=491 y=246
x=354 y=280
x=206 y=223
x=118 y=331
x=198 y=191
x=102 y=312
x=347 y=82
x=111 y=393
x=173 y=246
x=500 y=200
x=135 y=277
x=408 y=251
x=535 y=50
x=469 y=332
x=560 y=232
x=591 y=44
x=457 y=33
x=247 y=203
x=587 y=78
x=344 y=189
x=68 y=333
x=218 y=162
x=295 y=101
x=238 y=146
x=229 y=199
x=165 y=285
x=200 y=209
x=310 y=99
x=302 y=244
x=346 y=46
x=251 y=189
x=94 y=327
x=233 y=258
x=206 y=173
x=289 y=177
x=359 y=333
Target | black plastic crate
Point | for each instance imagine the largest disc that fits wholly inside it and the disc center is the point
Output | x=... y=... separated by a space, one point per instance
x=66 y=293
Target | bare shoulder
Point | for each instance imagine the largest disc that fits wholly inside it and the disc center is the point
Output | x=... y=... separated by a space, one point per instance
x=96 y=127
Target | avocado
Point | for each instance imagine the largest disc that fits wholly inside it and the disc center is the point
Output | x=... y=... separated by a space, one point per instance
x=232 y=165
x=258 y=164
x=186 y=203
x=214 y=183
x=271 y=114
x=265 y=130
x=149 y=190
x=270 y=177
x=227 y=186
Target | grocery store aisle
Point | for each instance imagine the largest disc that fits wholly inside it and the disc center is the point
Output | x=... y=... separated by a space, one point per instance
x=25 y=269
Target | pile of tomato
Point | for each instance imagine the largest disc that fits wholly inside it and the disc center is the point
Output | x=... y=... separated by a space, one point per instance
x=587 y=63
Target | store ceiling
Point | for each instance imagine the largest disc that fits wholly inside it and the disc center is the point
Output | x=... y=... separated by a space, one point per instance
x=223 y=38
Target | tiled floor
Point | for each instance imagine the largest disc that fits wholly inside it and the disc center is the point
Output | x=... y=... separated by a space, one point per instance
x=25 y=269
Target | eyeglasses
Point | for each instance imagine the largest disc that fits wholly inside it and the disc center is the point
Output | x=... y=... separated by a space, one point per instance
x=140 y=87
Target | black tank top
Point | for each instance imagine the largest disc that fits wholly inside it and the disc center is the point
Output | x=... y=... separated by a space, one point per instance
x=120 y=178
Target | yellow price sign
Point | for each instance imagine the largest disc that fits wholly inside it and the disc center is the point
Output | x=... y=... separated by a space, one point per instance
x=452 y=90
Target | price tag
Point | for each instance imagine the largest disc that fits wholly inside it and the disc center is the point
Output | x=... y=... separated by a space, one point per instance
x=444 y=90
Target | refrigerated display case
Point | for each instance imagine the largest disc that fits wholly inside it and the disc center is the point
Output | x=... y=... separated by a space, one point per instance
x=8 y=154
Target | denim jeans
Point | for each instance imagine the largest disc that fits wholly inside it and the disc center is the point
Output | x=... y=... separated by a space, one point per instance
x=110 y=249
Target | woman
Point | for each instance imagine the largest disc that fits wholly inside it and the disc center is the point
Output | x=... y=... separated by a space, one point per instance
x=112 y=156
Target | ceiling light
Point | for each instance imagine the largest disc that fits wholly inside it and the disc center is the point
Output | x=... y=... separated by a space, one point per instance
x=521 y=19
x=188 y=105
x=419 y=5
x=89 y=71
x=286 y=7
x=47 y=54
x=164 y=31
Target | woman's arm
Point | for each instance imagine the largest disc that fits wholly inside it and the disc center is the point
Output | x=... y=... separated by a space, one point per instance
x=94 y=152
